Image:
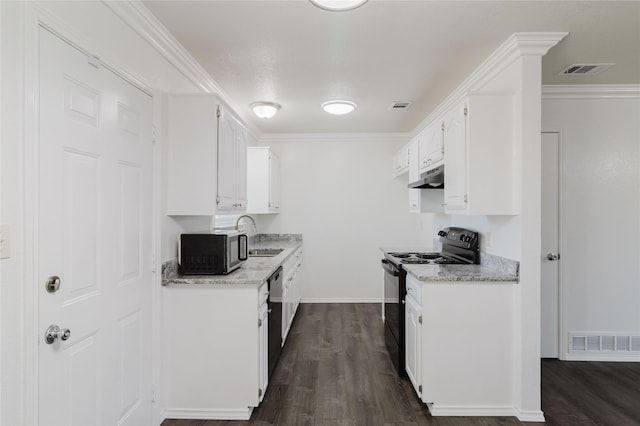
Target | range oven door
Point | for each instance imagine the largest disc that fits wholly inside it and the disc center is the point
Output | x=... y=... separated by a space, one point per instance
x=394 y=293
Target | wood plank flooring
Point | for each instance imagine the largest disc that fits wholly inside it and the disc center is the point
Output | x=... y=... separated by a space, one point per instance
x=335 y=371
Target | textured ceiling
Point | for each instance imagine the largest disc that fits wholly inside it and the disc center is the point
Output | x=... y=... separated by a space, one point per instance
x=297 y=55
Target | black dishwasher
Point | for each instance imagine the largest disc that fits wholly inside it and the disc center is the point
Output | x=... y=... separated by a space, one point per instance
x=274 y=282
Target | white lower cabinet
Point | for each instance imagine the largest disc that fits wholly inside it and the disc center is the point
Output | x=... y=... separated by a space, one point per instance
x=460 y=346
x=292 y=291
x=263 y=348
x=413 y=342
x=215 y=350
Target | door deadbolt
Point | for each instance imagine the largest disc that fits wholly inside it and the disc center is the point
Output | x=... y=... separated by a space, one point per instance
x=53 y=284
x=54 y=333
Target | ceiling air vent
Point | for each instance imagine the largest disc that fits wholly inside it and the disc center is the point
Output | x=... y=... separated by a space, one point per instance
x=400 y=105
x=585 y=69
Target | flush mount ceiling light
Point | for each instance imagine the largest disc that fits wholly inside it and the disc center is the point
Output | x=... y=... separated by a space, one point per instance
x=339 y=107
x=265 y=109
x=338 y=5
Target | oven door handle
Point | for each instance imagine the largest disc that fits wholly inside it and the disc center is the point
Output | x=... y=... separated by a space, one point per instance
x=390 y=268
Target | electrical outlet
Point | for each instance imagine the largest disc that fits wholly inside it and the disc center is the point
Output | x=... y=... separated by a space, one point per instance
x=5 y=247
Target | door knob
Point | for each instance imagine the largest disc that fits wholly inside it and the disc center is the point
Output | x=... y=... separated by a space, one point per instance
x=553 y=256
x=54 y=332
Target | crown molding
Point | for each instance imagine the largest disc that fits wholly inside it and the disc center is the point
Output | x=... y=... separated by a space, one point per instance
x=591 y=91
x=516 y=46
x=334 y=137
x=146 y=25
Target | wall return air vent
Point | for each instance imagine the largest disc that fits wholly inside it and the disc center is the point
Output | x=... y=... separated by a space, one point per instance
x=585 y=69
x=604 y=343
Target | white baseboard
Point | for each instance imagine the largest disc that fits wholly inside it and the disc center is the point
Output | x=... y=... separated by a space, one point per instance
x=534 y=416
x=472 y=410
x=340 y=300
x=208 y=414
x=607 y=357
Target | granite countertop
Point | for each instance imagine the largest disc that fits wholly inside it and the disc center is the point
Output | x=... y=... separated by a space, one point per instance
x=491 y=269
x=253 y=272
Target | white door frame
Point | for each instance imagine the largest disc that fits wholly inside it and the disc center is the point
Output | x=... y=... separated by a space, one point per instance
x=562 y=341
x=34 y=18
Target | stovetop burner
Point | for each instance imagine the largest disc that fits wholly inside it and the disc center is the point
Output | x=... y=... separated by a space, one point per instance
x=424 y=258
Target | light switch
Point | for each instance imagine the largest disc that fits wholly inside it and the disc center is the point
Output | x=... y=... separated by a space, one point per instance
x=5 y=251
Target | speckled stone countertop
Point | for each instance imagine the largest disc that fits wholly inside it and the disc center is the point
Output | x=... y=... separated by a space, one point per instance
x=491 y=269
x=253 y=272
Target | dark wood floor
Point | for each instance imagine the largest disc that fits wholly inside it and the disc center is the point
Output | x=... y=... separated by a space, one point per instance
x=334 y=370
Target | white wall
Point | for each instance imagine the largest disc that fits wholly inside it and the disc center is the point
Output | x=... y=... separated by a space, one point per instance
x=600 y=218
x=340 y=195
x=96 y=28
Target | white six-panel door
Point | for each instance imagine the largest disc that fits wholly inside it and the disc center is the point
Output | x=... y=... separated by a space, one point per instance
x=94 y=224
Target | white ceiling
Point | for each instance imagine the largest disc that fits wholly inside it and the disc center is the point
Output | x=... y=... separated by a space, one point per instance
x=295 y=54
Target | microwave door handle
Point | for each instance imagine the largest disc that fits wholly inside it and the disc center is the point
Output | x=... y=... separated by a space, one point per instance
x=242 y=247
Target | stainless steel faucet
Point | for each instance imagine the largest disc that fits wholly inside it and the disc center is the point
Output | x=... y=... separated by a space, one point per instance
x=255 y=228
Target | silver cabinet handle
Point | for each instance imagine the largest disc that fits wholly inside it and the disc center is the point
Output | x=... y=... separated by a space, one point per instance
x=404 y=302
x=54 y=332
x=553 y=256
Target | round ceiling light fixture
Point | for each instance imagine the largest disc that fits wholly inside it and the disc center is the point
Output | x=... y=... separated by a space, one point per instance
x=338 y=5
x=339 y=107
x=265 y=109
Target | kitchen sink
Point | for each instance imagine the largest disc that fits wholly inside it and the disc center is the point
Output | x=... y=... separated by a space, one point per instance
x=266 y=252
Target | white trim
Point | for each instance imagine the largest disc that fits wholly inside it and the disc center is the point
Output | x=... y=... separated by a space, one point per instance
x=606 y=357
x=340 y=300
x=334 y=137
x=136 y=15
x=209 y=414
x=533 y=416
x=517 y=45
x=437 y=410
x=591 y=91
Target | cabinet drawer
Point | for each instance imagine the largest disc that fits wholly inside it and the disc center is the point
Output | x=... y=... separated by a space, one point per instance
x=414 y=289
x=263 y=294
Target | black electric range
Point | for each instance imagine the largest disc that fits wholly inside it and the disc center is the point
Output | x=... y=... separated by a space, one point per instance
x=459 y=247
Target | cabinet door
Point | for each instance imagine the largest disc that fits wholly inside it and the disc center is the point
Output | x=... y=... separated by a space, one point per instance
x=423 y=149
x=226 y=161
x=455 y=145
x=413 y=343
x=274 y=183
x=263 y=348
x=436 y=144
x=240 y=173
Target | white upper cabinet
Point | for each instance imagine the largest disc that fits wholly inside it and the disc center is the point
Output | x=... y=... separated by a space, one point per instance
x=401 y=161
x=479 y=156
x=206 y=162
x=232 y=164
x=263 y=180
x=455 y=169
x=425 y=200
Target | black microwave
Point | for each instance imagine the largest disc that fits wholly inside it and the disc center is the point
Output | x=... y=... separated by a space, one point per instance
x=211 y=252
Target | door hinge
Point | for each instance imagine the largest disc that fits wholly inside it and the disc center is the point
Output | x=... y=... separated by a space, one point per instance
x=153 y=394
x=442 y=127
x=259 y=392
x=154 y=134
x=259 y=322
x=465 y=198
x=218 y=111
x=420 y=388
x=217 y=199
x=466 y=111
x=420 y=319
